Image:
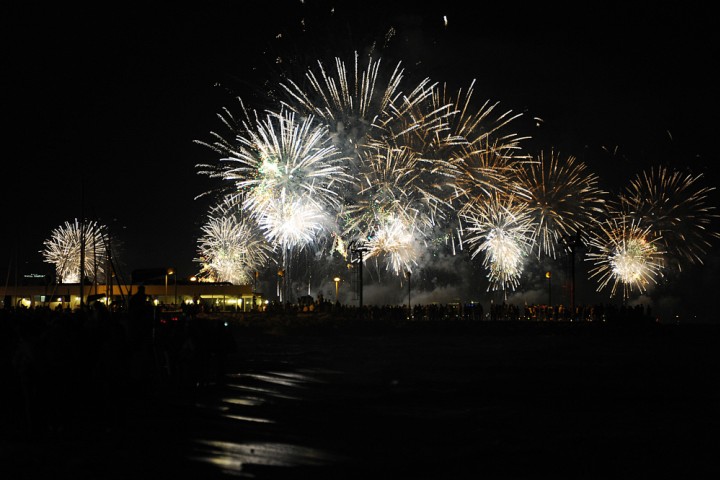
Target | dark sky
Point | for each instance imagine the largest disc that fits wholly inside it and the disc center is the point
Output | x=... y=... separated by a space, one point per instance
x=113 y=100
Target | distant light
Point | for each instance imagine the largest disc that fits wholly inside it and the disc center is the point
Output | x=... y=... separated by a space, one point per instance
x=445 y=20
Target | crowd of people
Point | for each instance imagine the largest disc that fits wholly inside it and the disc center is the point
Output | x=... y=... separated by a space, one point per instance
x=66 y=369
x=61 y=366
x=471 y=311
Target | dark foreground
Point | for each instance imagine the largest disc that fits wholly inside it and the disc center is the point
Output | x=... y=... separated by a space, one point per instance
x=413 y=400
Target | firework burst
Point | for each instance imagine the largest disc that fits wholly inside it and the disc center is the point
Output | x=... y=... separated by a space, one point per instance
x=231 y=249
x=63 y=249
x=675 y=207
x=351 y=104
x=392 y=209
x=287 y=175
x=501 y=229
x=624 y=254
x=394 y=240
x=563 y=199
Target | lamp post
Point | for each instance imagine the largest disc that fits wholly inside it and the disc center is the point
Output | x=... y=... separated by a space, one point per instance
x=409 y=304
x=280 y=284
x=169 y=272
x=548 y=275
x=573 y=243
x=337 y=286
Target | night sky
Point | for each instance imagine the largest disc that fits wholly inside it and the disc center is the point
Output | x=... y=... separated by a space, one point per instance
x=106 y=105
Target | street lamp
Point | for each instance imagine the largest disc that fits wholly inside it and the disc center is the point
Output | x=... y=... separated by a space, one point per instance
x=409 y=305
x=548 y=275
x=169 y=272
x=337 y=285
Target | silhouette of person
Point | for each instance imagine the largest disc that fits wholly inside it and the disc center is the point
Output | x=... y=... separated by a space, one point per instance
x=141 y=319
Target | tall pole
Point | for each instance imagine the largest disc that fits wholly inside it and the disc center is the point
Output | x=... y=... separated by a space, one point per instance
x=82 y=239
x=409 y=304
x=572 y=281
x=360 y=277
x=548 y=275
x=356 y=251
x=572 y=243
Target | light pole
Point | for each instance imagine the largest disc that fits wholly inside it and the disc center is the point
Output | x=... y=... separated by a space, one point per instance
x=548 y=275
x=169 y=272
x=572 y=242
x=337 y=286
x=409 y=305
x=281 y=285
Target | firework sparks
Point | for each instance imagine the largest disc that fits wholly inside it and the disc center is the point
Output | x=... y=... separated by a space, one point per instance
x=371 y=120
x=481 y=174
x=357 y=155
x=63 y=249
x=625 y=254
x=351 y=105
x=563 y=199
x=230 y=249
x=393 y=239
x=501 y=229
x=392 y=208
x=674 y=206
x=288 y=176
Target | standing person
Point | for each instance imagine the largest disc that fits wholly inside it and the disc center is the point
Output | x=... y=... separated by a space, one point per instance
x=141 y=320
x=140 y=323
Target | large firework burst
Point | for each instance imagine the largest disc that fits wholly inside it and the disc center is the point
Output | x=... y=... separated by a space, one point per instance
x=563 y=198
x=231 y=248
x=624 y=253
x=351 y=104
x=287 y=175
x=674 y=206
x=64 y=250
x=370 y=118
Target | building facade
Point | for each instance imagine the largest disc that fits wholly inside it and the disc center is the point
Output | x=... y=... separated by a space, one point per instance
x=218 y=296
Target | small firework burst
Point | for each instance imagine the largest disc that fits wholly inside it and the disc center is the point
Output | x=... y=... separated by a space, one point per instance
x=231 y=248
x=64 y=250
x=501 y=229
x=394 y=240
x=624 y=254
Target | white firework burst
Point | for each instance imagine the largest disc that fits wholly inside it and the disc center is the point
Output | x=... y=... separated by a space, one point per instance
x=64 y=250
x=231 y=248
x=287 y=174
x=501 y=229
x=623 y=253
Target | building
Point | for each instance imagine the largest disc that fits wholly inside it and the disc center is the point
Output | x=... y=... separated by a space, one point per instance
x=164 y=289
